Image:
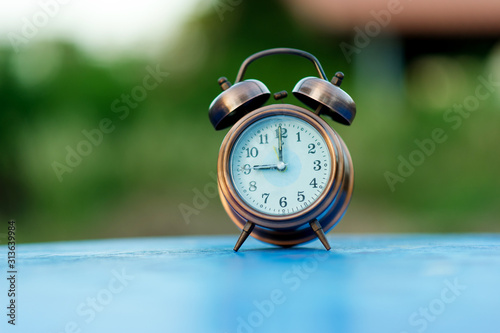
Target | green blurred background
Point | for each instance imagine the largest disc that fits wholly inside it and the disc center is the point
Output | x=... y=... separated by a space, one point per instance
x=136 y=181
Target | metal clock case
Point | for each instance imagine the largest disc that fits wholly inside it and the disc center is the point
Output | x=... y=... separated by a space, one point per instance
x=284 y=175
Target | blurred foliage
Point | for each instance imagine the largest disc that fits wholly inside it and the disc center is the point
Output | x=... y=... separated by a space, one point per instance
x=132 y=183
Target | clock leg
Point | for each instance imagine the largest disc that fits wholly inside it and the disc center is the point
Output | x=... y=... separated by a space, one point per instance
x=247 y=229
x=316 y=227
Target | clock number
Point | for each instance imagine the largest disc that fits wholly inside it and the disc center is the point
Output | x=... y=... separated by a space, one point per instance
x=317 y=165
x=313 y=183
x=253 y=186
x=252 y=152
x=298 y=136
x=263 y=139
x=283 y=202
x=283 y=133
x=265 y=196
x=312 y=148
x=300 y=196
x=247 y=169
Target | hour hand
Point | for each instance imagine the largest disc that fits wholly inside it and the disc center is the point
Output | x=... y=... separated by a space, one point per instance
x=265 y=167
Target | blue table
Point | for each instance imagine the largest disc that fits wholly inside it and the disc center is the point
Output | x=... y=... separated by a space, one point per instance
x=366 y=283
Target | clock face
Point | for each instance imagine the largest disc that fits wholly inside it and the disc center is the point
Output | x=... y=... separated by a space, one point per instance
x=280 y=165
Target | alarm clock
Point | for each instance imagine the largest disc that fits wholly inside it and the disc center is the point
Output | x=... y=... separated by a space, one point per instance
x=284 y=175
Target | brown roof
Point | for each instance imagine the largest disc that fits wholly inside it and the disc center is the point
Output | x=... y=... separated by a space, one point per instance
x=447 y=17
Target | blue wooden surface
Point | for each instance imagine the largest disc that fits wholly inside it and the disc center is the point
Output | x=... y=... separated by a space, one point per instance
x=367 y=283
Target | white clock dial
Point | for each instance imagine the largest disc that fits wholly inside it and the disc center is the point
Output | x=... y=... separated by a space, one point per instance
x=278 y=181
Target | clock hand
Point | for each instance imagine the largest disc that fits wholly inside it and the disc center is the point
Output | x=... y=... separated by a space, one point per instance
x=265 y=167
x=281 y=165
x=280 y=145
x=276 y=152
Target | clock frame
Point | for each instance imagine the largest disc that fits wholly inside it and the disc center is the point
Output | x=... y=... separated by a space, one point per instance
x=299 y=227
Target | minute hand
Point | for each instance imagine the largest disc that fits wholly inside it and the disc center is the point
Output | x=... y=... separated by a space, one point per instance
x=280 y=145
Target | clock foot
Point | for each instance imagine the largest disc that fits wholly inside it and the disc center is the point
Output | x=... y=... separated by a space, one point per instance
x=316 y=227
x=247 y=229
